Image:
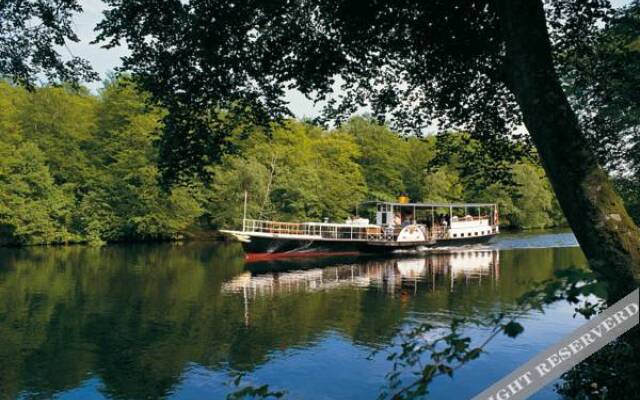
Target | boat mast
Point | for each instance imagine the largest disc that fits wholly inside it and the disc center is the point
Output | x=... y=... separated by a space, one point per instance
x=244 y=213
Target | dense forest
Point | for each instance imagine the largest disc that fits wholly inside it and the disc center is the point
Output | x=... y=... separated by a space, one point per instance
x=76 y=167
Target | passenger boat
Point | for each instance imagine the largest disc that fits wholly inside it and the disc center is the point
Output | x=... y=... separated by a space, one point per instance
x=398 y=226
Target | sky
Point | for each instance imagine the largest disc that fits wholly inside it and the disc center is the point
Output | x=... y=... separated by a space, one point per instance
x=105 y=61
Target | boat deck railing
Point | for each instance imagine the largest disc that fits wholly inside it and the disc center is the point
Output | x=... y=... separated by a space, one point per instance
x=470 y=218
x=438 y=232
x=335 y=231
x=316 y=229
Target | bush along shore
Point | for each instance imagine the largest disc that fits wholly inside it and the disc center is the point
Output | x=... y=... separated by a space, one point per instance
x=77 y=167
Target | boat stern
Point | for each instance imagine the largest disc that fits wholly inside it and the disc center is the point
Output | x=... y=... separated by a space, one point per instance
x=240 y=236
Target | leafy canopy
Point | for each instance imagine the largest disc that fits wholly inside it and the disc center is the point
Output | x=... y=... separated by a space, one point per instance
x=601 y=75
x=82 y=168
x=417 y=63
x=32 y=35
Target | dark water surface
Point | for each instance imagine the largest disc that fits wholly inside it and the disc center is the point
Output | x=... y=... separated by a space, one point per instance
x=172 y=321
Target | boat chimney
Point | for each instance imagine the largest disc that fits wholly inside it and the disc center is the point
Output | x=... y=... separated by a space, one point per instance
x=403 y=199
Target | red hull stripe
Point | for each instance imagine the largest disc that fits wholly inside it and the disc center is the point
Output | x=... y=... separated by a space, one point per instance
x=273 y=256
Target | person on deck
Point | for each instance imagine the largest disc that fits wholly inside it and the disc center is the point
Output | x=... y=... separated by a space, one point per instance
x=407 y=220
x=397 y=221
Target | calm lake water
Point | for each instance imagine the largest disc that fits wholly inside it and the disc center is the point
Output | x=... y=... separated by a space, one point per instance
x=173 y=321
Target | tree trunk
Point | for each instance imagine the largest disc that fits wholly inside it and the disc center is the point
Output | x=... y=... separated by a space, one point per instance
x=595 y=212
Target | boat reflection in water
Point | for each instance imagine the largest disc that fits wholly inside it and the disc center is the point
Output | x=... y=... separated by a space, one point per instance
x=402 y=275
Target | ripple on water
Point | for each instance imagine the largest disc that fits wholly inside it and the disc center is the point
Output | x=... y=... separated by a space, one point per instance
x=534 y=239
x=170 y=321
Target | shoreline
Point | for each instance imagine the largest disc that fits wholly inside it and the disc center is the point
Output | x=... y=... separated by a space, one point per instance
x=213 y=235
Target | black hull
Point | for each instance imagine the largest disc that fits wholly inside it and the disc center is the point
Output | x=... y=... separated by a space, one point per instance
x=262 y=245
x=463 y=241
x=281 y=245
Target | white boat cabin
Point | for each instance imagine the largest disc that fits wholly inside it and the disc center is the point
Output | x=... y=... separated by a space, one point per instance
x=438 y=221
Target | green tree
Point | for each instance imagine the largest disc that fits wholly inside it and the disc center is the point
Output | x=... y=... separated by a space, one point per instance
x=420 y=152
x=80 y=167
x=382 y=157
x=342 y=184
x=32 y=208
x=125 y=199
x=533 y=198
x=296 y=172
x=443 y=185
x=503 y=195
x=61 y=122
x=232 y=177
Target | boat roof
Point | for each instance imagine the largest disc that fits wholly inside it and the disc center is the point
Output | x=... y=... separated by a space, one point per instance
x=436 y=205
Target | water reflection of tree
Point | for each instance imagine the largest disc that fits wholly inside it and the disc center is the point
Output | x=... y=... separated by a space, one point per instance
x=137 y=316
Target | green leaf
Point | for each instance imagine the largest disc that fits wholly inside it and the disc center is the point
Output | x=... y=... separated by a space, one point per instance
x=513 y=329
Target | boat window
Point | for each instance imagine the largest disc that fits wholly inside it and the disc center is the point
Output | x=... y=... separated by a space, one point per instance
x=455 y=235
